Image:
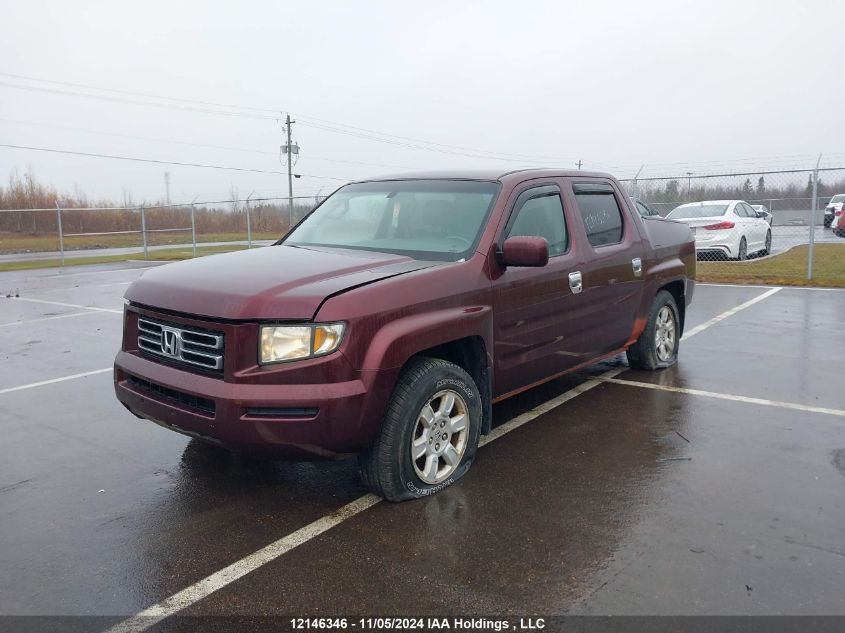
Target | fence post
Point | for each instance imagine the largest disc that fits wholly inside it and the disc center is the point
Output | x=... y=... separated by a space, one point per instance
x=61 y=233
x=815 y=203
x=248 y=224
x=193 y=229
x=636 y=188
x=144 y=231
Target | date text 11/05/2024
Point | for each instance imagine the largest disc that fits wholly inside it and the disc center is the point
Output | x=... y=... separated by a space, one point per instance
x=419 y=623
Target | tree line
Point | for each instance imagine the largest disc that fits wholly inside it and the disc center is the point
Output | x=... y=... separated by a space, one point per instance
x=25 y=192
x=790 y=192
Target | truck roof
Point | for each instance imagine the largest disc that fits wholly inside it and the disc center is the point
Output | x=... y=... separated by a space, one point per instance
x=487 y=174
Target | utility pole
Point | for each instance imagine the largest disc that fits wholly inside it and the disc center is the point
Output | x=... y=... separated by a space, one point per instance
x=579 y=163
x=167 y=188
x=689 y=184
x=290 y=149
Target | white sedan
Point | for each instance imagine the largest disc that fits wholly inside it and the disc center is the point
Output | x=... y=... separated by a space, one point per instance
x=729 y=228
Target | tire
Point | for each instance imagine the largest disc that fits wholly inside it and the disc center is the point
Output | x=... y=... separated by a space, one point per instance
x=768 y=247
x=655 y=349
x=742 y=255
x=387 y=466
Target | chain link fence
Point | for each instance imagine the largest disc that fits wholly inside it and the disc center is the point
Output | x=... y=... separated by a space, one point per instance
x=769 y=226
x=757 y=227
x=65 y=232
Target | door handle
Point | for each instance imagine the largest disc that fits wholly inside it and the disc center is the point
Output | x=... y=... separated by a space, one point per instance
x=575 y=283
x=637 y=266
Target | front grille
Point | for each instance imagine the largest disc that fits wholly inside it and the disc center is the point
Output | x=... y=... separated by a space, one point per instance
x=180 y=344
x=161 y=392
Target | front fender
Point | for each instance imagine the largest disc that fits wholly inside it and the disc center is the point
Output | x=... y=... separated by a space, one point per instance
x=400 y=339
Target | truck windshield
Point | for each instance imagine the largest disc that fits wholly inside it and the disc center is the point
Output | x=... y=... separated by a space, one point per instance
x=423 y=219
x=703 y=210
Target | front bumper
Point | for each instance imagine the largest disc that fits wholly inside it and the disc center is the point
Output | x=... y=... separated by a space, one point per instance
x=286 y=420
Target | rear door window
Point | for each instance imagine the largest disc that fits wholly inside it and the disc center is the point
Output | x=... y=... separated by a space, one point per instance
x=601 y=213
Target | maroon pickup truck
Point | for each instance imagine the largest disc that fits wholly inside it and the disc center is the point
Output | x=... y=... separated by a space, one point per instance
x=391 y=318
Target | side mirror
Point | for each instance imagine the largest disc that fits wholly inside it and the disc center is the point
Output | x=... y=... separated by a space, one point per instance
x=761 y=215
x=525 y=250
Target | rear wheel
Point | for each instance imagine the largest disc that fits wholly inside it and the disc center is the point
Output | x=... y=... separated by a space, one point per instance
x=742 y=255
x=430 y=432
x=658 y=344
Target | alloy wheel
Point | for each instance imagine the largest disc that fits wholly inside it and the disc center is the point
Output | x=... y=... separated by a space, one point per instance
x=665 y=334
x=440 y=436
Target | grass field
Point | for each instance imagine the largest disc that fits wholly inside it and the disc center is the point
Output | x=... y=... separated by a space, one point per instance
x=23 y=243
x=786 y=269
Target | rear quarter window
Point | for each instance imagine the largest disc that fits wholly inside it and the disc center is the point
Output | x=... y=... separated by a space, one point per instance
x=602 y=217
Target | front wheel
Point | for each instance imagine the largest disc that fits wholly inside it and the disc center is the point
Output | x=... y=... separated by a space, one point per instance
x=430 y=432
x=658 y=344
x=768 y=248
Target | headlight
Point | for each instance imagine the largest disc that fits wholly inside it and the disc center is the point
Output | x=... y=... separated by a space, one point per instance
x=294 y=342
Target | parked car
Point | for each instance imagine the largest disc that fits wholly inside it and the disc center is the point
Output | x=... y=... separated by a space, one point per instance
x=728 y=228
x=763 y=212
x=836 y=203
x=643 y=209
x=393 y=316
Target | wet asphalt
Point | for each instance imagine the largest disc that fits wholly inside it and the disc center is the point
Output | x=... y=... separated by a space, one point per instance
x=624 y=500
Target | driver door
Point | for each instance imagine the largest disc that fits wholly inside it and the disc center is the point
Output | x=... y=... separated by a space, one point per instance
x=535 y=309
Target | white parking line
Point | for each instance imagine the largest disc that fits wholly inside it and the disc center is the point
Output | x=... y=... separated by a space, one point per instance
x=724 y=396
x=55 y=380
x=113 y=283
x=219 y=579
x=731 y=312
x=68 y=305
x=104 y=272
x=539 y=410
x=49 y=318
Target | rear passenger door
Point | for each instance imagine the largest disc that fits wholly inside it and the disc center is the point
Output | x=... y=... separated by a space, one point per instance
x=746 y=218
x=613 y=268
x=534 y=306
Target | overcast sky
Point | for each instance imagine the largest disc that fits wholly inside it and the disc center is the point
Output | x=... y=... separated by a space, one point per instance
x=677 y=86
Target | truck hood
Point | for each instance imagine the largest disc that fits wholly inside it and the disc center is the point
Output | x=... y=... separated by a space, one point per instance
x=274 y=282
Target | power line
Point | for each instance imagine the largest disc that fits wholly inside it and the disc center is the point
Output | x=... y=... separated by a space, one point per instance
x=444 y=145
x=167 y=106
x=410 y=145
x=339 y=128
x=192 y=144
x=138 y=94
x=165 y=162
